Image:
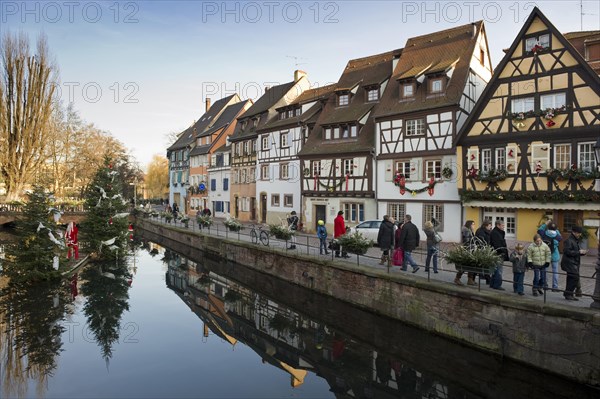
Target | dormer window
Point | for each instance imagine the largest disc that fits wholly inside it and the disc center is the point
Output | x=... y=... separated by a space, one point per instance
x=407 y=90
x=343 y=99
x=282 y=114
x=343 y=131
x=436 y=85
x=254 y=122
x=537 y=43
x=373 y=94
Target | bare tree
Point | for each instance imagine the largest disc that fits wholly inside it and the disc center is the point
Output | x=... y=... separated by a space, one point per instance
x=157 y=177
x=27 y=91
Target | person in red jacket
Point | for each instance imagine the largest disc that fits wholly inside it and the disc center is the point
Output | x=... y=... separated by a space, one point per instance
x=339 y=229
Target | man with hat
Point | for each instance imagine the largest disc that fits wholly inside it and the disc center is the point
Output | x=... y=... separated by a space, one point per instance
x=571 y=261
x=293 y=226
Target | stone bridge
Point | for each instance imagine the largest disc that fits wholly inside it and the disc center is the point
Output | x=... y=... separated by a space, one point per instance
x=10 y=212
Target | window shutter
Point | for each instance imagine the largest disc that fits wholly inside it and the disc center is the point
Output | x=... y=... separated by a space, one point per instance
x=473 y=158
x=389 y=170
x=213 y=184
x=225 y=184
x=540 y=157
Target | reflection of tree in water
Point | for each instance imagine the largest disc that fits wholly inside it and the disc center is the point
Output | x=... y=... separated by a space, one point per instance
x=106 y=289
x=30 y=334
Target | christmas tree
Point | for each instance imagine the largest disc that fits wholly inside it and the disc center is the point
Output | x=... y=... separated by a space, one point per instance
x=105 y=229
x=41 y=246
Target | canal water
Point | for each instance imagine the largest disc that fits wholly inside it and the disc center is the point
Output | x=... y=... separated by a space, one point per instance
x=160 y=325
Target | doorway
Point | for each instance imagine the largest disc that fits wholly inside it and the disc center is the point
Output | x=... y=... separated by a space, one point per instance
x=236 y=207
x=252 y=208
x=263 y=208
x=321 y=214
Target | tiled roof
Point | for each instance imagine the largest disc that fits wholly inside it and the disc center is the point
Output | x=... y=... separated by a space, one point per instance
x=200 y=150
x=580 y=40
x=359 y=72
x=228 y=116
x=431 y=54
x=260 y=110
x=317 y=95
x=188 y=136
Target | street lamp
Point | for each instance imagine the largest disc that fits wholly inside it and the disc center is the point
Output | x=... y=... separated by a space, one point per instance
x=596 y=295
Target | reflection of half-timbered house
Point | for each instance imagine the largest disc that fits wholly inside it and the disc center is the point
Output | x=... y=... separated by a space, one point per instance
x=245 y=145
x=434 y=87
x=286 y=133
x=527 y=149
x=337 y=160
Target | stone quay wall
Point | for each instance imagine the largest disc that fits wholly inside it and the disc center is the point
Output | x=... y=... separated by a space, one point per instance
x=555 y=338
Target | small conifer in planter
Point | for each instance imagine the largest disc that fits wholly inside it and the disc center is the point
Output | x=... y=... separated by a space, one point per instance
x=233 y=225
x=204 y=221
x=477 y=259
x=355 y=243
x=280 y=232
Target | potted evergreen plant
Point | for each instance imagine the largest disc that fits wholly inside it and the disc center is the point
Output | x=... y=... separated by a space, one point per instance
x=280 y=232
x=477 y=259
x=355 y=243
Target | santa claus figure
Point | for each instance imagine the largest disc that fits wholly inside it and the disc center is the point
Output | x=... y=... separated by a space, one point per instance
x=72 y=243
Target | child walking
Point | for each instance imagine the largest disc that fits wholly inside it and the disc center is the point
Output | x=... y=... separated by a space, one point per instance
x=519 y=261
x=322 y=234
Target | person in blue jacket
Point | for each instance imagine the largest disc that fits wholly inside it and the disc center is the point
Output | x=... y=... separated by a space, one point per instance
x=551 y=236
x=322 y=234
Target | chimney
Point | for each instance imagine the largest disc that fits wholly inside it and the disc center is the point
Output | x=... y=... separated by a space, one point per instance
x=298 y=74
x=207 y=104
x=267 y=88
x=473 y=30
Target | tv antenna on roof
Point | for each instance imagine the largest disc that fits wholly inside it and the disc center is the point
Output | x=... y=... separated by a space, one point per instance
x=583 y=13
x=296 y=63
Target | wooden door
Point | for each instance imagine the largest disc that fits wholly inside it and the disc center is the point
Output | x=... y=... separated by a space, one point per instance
x=263 y=208
x=321 y=213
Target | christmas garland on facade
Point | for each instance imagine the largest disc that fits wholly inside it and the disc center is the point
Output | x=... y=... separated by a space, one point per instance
x=400 y=181
x=539 y=196
x=573 y=173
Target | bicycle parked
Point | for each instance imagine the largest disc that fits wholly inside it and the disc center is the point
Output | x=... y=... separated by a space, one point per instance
x=257 y=233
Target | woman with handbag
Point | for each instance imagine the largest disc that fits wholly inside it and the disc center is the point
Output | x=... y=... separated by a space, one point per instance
x=398 y=257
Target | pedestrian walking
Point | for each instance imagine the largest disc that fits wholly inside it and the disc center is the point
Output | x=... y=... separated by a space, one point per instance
x=322 y=235
x=409 y=240
x=571 y=261
x=467 y=236
x=538 y=259
x=398 y=251
x=292 y=221
x=519 y=262
x=385 y=239
x=433 y=246
x=551 y=236
x=498 y=242
x=482 y=236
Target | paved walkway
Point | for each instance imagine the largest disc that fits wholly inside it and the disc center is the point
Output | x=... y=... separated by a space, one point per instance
x=308 y=245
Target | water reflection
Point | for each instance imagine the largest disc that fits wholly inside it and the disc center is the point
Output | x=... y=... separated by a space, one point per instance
x=31 y=317
x=105 y=287
x=358 y=353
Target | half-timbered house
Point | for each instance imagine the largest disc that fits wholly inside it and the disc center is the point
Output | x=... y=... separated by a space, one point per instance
x=245 y=145
x=527 y=150
x=337 y=160
x=286 y=132
x=434 y=87
x=219 y=174
x=201 y=183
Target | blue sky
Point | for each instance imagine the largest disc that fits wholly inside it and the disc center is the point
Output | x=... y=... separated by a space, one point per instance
x=141 y=69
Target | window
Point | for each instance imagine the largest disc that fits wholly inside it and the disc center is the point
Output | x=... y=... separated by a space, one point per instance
x=304 y=133
x=396 y=210
x=524 y=104
x=342 y=131
x=433 y=168
x=542 y=41
x=264 y=172
x=348 y=167
x=328 y=133
x=354 y=212
x=435 y=85
x=246 y=147
x=500 y=158
x=508 y=216
x=403 y=167
x=243 y=177
x=284 y=140
x=290 y=113
x=316 y=168
x=407 y=90
x=415 y=127
x=556 y=100
x=373 y=94
x=586 y=159
x=213 y=184
x=274 y=199
x=562 y=156
x=225 y=184
x=207 y=140
x=265 y=143
x=282 y=114
x=284 y=171
x=434 y=211
x=343 y=99
x=336 y=132
x=486 y=160
x=482 y=56
x=288 y=200
x=254 y=145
